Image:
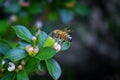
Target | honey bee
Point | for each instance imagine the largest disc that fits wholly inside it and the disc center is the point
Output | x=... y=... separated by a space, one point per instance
x=62 y=35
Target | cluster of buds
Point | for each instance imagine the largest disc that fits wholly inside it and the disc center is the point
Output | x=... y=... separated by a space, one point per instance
x=32 y=51
x=12 y=67
x=20 y=66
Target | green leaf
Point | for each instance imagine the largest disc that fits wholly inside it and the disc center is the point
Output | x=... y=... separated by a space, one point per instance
x=4 y=47
x=46 y=53
x=49 y=42
x=42 y=66
x=16 y=54
x=35 y=9
x=53 y=68
x=82 y=10
x=23 y=44
x=22 y=75
x=65 y=45
x=4 y=26
x=32 y=64
x=8 y=76
x=53 y=16
x=42 y=38
x=23 y=33
x=0 y=63
x=1 y=1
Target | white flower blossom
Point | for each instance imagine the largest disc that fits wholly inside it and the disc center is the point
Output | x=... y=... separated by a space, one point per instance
x=38 y=24
x=57 y=47
x=13 y=18
x=11 y=66
x=3 y=62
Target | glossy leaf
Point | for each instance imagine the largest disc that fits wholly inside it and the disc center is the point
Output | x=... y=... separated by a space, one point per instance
x=42 y=38
x=16 y=54
x=42 y=66
x=23 y=44
x=23 y=33
x=53 y=68
x=46 y=53
x=53 y=16
x=4 y=47
x=49 y=42
x=8 y=76
x=32 y=64
x=35 y=9
x=65 y=45
x=22 y=75
x=4 y=26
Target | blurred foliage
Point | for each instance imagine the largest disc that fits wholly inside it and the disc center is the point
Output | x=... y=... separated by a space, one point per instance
x=27 y=12
x=96 y=46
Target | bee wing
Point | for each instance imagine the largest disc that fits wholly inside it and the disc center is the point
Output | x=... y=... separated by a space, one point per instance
x=67 y=29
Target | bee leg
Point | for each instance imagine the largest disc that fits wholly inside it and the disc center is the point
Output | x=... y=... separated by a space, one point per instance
x=70 y=39
x=63 y=41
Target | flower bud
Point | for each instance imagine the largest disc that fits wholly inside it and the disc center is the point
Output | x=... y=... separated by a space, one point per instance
x=32 y=51
x=57 y=47
x=36 y=50
x=33 y=38
x=29 y=49
x=2 y=70
x=17 y=70
x=20 y=67
x=11 y=66
x=23 y=62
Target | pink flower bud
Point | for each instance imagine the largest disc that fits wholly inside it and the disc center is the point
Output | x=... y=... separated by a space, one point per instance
x=29 y=48
x=57 y=47
x=20 y=67
x=36 y=50
x=33 y=38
